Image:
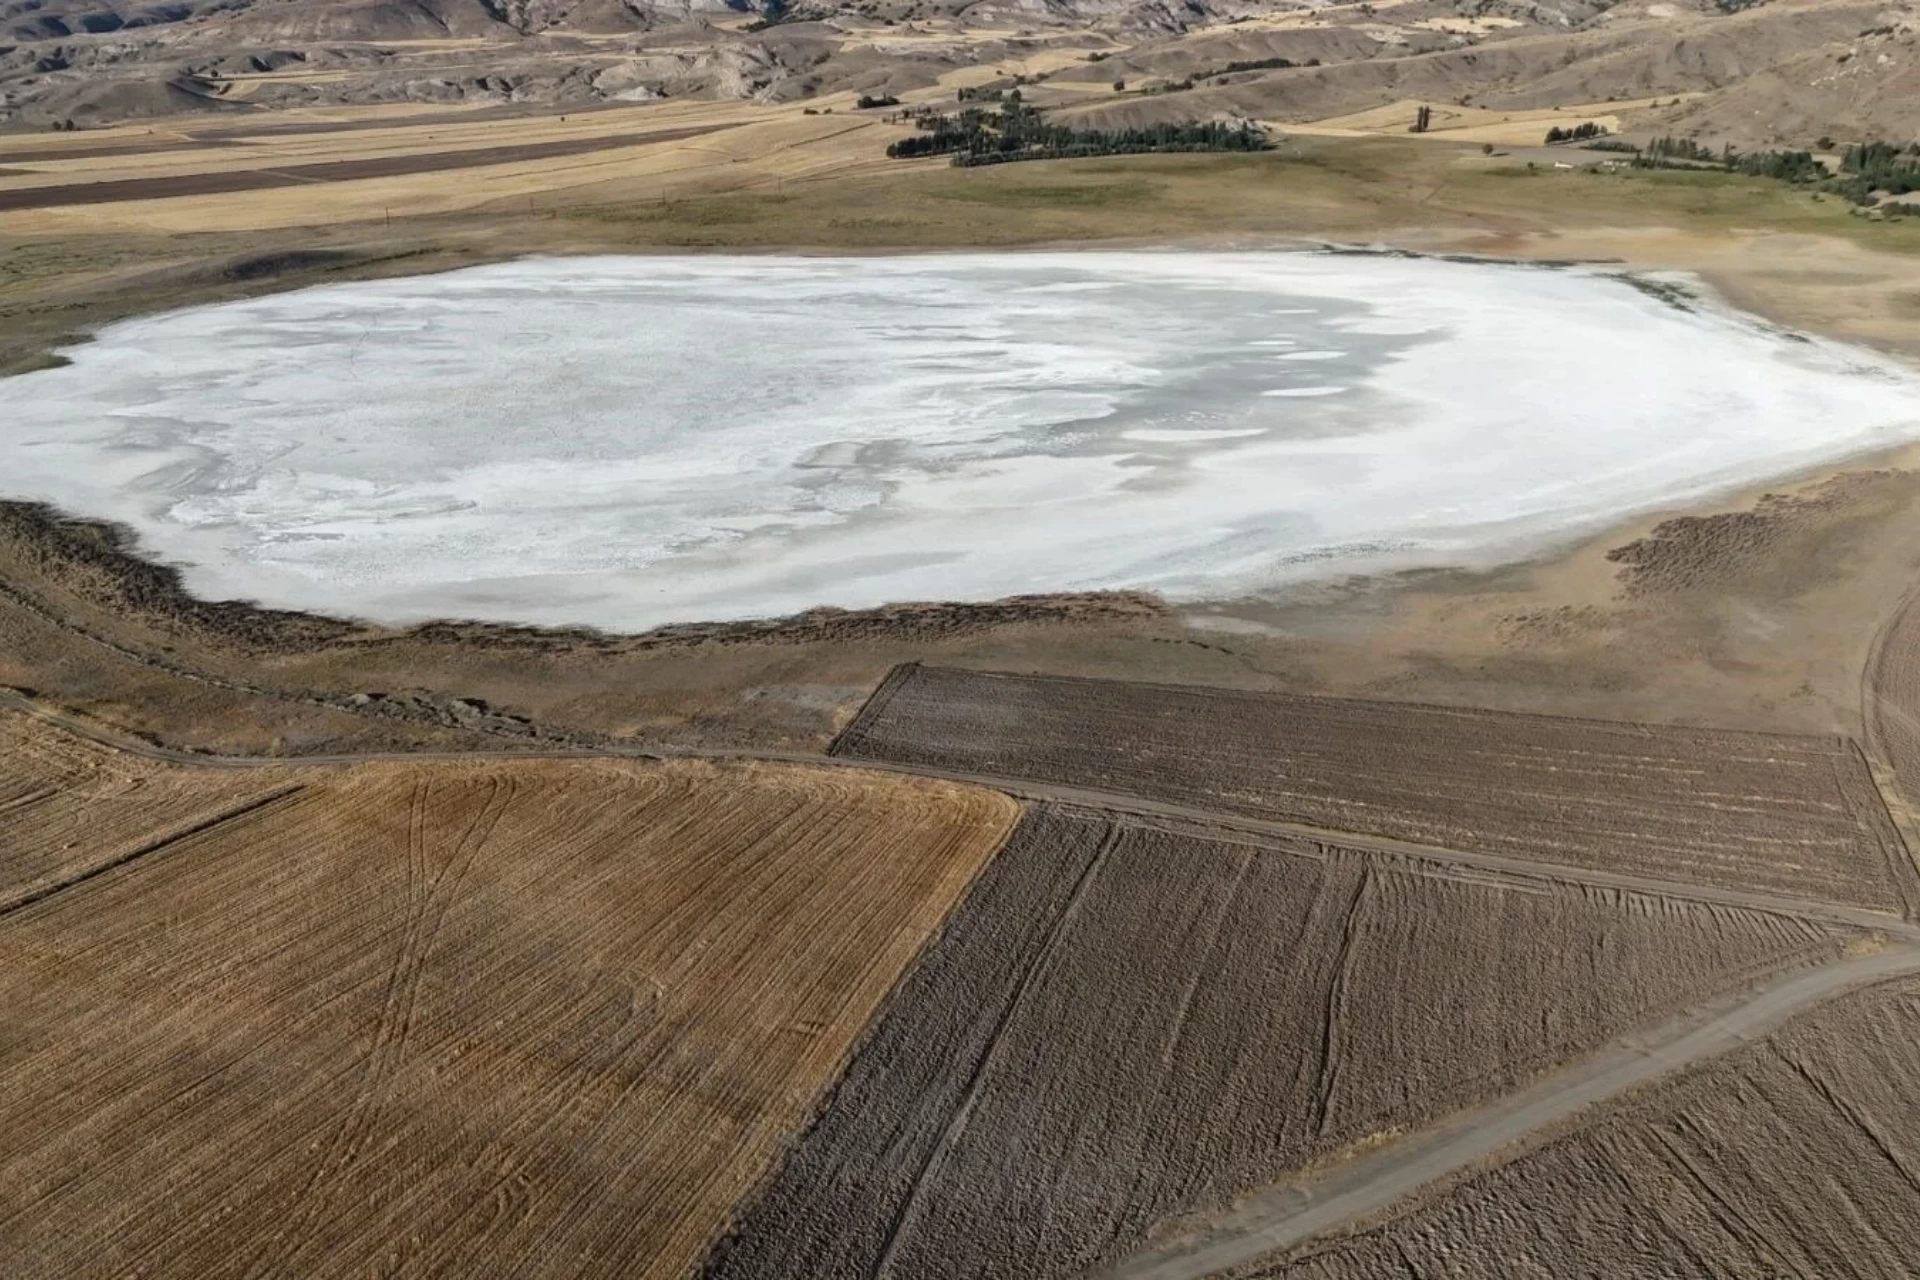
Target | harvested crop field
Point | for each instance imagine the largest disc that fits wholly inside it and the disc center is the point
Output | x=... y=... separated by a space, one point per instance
x=1792 y=1157
x=1126 y=1022
x=230 y=180
x=69 y=808
x=1767 y=813
x=505 y=1019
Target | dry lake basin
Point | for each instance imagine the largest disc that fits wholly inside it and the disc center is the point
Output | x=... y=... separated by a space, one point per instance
x=836 y=947
x=624 y=442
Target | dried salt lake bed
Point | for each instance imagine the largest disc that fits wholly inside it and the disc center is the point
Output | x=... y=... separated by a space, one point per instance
x=626 y=442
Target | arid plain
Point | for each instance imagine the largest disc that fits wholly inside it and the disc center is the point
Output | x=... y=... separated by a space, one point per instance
x=1508 y=922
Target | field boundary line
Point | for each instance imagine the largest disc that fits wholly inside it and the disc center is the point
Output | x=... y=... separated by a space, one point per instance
x=957 y=1121
x=1874 y=705
x=1863 y=792
x=1028 y=790
x=876 y=704
x=1836 y=742
x=251 y=807
x=1334 y=1001
x=1285 y=1216
x=1337 y=841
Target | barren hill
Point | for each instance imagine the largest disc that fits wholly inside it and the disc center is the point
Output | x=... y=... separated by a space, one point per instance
x=1749 y=72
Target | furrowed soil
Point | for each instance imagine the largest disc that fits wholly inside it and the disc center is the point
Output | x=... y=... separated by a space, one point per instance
x=505 y=1019
x=1890 y=701
x=1128 y=1022
x=1792 y=1157
x=1770 y=813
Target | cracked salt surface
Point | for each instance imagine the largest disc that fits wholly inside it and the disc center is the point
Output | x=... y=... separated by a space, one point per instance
x=626 y=442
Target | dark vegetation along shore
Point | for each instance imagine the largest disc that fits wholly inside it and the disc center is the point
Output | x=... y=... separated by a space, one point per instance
x=1017 y=131
x=1865 y=174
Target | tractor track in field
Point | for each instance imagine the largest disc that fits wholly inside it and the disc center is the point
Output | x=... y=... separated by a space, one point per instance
x=1283 y=1216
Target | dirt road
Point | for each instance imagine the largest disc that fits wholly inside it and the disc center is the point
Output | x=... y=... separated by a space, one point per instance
x=1283 y=1218
x=1023 y=789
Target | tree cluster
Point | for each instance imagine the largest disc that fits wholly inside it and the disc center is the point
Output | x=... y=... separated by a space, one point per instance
x=1881 y=166
x=1579 y=133
x=1865 y=168
x=1669 y=148
x=1254 y=64
x=1786 y=166
x=1019 y=132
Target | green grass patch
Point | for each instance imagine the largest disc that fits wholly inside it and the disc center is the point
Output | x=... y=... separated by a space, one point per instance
x=695 y=211
x=1055 y=195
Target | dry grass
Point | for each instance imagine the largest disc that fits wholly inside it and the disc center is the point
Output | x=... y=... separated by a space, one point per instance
x=1521 y=126
x=750 y=148
x=833 y=166
x=1125 y=1023
x=1766 y=813
x=793 y=181
x=527 y=1019
x=69 y=808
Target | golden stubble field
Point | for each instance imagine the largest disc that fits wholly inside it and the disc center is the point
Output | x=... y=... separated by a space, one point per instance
x=70 y=808
x=488 y=1019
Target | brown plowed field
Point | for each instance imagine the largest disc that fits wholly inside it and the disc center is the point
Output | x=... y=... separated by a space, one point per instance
x=1890 y=697
x=216 y=182
x=1769 y=813
x=1126 y=1022
x=69 y=807
x=480 y=1020
x=1795 y=1157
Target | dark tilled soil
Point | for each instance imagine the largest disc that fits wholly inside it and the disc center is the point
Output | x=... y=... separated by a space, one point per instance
x=1792 y=1158
x=1768 y=813
x=1126 y=1023
x=216 y=183
x=22 y=155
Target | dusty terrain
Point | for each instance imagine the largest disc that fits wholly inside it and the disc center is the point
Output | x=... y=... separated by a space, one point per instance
x=73 y=808
x=1779 y=71
x=516 y=1019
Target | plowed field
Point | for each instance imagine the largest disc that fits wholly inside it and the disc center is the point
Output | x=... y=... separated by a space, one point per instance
x=1890 y=697
x=69 y=807
x=506 y=1019
x=1794 y=1157
x=1126 y=1022
x=1768 y=813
